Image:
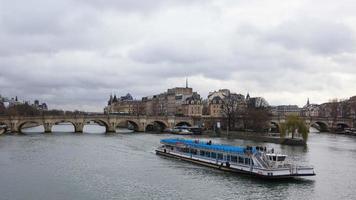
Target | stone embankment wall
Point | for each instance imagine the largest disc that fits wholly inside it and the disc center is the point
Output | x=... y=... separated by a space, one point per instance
x=258 y=137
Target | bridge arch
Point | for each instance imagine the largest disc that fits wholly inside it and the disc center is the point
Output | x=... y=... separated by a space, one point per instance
x=183 y=123
x=156 y=126
x=133 y=124
x=98 y=122
x=4 y=127
x=320 y=126
x=129 y=124
x=60 y=122
x=30 y=123
x=341 y=126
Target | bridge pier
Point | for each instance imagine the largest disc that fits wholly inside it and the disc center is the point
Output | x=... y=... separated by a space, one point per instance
x=14 y=128
x=47 y=127
x=78 y=127
x=111 y=129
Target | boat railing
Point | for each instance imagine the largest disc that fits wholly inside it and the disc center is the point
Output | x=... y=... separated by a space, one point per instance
x=260 y=161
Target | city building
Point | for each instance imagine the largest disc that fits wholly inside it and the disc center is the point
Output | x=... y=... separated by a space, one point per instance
x=216 y=101
x=176 y=101
x=36 y=104
x=222 y=93
x=124 y=105
x=216 y=106
x=256 y=102
x=193 y=106
x=285 y=110
x=310 y=110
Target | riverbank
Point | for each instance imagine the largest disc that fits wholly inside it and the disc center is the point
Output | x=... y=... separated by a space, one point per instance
x=257 y=137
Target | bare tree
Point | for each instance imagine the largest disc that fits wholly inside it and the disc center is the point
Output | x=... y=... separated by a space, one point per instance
x=2 y=109
x=257 y=119
x=230 y=110
x=352 y=104
x=334 y=110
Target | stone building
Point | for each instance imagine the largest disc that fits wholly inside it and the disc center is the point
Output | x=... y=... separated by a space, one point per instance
x=256 y=102
x=216 y=101
x=193 y=106
x=285 y=110
x=216 y=106
x=339 y=108
x=168 y=103
x=222 y=93
x=125 y=105
x=310 y=110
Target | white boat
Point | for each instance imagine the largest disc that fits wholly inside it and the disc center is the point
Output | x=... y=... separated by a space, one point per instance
x=181 y=130
x=256 y=161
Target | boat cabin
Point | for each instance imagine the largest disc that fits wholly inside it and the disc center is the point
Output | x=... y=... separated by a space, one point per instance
x=276 y=160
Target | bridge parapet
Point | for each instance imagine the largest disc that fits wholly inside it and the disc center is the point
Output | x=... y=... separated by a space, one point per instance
x=15 y=123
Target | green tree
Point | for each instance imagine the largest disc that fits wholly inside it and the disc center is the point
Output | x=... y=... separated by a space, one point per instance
x=294 y=125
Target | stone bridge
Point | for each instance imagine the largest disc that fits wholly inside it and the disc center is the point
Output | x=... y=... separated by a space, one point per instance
x=323 y=124
x=15 y=124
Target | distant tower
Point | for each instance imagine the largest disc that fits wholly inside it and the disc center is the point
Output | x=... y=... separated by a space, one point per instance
x=114 y=99
x=186 y=82
x=110 y=100
x=248 y=96
x=308 y=103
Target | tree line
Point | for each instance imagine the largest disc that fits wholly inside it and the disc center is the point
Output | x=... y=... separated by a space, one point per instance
x=28 y=110
x=244 y=116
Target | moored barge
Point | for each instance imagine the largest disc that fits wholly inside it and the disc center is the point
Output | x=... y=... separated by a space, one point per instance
x=256 y=161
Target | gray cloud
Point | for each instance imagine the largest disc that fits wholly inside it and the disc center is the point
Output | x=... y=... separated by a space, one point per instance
x=73 y=54
x=317 y=36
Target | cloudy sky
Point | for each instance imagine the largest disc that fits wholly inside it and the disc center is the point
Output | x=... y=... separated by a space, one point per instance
x=73 y=54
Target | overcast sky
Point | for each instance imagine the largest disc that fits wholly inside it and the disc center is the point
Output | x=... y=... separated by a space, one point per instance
x=73 y=54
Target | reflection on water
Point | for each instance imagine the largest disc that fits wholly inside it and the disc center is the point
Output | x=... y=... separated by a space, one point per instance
x=124 y=166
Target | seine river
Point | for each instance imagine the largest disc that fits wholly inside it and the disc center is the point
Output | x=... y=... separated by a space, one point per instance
x=124 y=166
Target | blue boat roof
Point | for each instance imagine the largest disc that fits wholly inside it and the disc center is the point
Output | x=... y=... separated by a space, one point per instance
x=205 y=145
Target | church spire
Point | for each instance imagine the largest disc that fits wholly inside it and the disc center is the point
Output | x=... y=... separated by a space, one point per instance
x=308 y=103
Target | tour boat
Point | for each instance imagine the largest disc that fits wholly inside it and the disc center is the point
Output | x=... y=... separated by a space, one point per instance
x=256 y=161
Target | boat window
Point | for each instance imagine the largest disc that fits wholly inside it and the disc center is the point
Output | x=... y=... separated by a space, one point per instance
x=194 y=151
x=252 y=163
x=281 y=158
x=228 y=158
x=234 y=159
x=274 y=158
x=207 y=154
x=186 y=150
x=247 y=161
x=241 y=160
x=213 y=154
x=202 y=153
x=220 y=156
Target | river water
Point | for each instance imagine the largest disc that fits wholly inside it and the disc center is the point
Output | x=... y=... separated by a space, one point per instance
x=124 y=166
